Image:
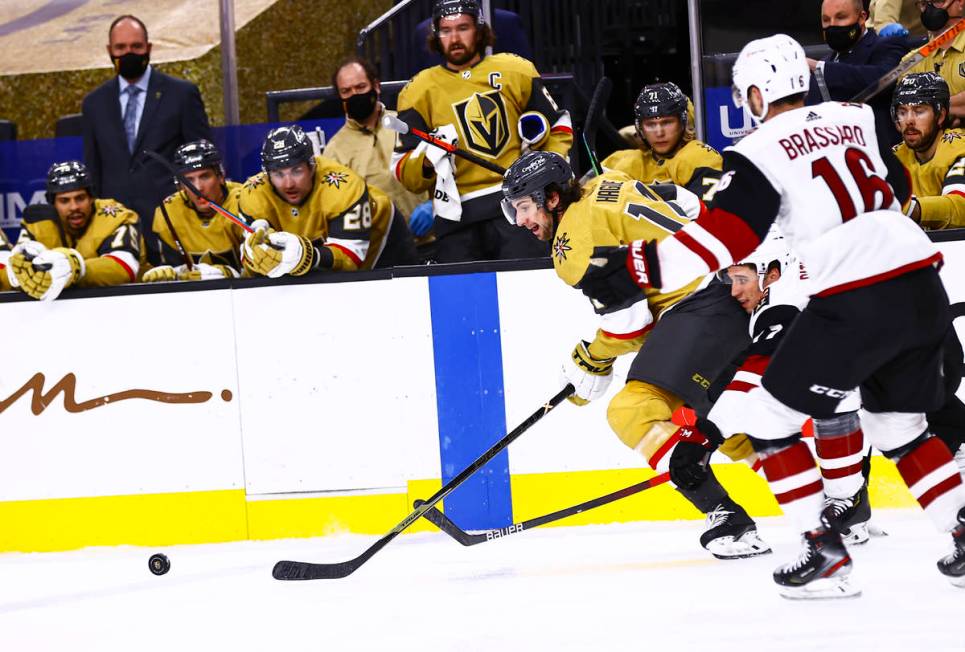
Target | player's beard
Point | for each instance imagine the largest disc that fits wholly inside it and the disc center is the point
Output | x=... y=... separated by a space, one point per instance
x=925 y=139
x=465 y=55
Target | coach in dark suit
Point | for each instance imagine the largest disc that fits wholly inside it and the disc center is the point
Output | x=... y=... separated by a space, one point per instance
x=859 y=57
x=140 y=108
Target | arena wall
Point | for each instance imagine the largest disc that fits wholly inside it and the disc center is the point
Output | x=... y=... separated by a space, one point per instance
x=311 y=408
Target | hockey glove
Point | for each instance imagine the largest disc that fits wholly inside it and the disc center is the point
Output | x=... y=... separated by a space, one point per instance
x=421 y=219
x=436 y=154
x=618 y=274
x=47 y=274
x=533 y=128
x=160 y=274
x=689 y=459
x=589 y=376
x=205 y=272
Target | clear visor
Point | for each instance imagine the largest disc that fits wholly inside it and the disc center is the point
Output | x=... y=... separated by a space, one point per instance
x=742 y=271
x=508 y=210
x=736 y=96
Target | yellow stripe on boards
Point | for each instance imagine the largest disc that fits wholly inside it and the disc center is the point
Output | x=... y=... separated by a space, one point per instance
x=143 y=520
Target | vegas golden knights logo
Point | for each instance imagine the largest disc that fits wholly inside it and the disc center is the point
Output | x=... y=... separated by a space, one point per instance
x=484 y=123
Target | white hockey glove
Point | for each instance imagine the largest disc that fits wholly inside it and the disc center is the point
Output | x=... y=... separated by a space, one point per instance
x=533 y=128
x=47 y=274
x=589 y=376
x=28 y=249
x=160 y=274
x=205 y=272
x=436 y=154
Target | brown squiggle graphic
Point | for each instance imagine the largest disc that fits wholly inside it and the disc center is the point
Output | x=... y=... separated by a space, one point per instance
x=41 y=401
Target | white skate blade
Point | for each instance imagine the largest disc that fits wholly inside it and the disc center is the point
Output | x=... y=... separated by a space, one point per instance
x=861 y=533
x=957 y=581
x=748 y=544
x=825 y=588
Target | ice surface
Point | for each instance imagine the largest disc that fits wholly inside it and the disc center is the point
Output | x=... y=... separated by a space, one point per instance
x=641 y=586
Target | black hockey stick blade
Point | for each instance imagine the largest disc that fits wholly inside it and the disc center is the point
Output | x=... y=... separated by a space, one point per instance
x=601 y=94
x=302 y=570
x=445 y=524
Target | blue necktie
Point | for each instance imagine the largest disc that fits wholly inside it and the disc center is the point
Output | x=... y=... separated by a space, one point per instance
x=130 y=116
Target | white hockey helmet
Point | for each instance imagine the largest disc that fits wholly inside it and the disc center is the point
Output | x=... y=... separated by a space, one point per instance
x=772 y=252
x=776 y=65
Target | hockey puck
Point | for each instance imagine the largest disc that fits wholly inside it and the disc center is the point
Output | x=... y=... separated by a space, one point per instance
x=159 y=564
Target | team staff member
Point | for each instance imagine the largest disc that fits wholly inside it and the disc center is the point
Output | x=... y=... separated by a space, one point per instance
x=670 y=152
x=308 y=212
x=211 y=240
x=949 y=62
x=364 y=145
x=934 y=156
x=495 y=107
x=77 y=240
x=678 y=352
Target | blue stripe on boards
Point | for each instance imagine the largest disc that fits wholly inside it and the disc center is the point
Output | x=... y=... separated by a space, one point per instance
x=469 y=394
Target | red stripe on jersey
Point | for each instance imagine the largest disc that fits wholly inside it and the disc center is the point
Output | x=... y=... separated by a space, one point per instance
x=940 y=489
x=739 y=386
x=731 y=230
x=705 y=254
x=629 y=336
x=398 y=166
x=956 y=192
x=815 y=487
x=348 y=252
x=561 y=129
x=758 y=464
x=130 y=272
x=843 y=472
x=788 y=462
x=830 y=448
x=756 y=364
x=884 y=276
x=807 y=430
x=926 y=458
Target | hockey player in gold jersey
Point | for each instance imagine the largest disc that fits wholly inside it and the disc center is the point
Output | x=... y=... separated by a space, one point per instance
x=211 y=240
x=309 y=212
x=934 y=156
x=682 y=340
x=669 y=152
x=5 y=248
x=493 y=106
x=75 y=240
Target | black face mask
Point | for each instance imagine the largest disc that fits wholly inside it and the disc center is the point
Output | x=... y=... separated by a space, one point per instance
x=842 y=38
x=131 y=66
x=360 y=106
x=933 y=18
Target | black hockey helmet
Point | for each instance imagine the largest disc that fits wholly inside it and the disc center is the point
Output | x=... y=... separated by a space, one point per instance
x=197 y=155
x=529 y=176
x=67 y=176
x=657 y=100
x=286 y=147
x=921 y=88
x=443 y=8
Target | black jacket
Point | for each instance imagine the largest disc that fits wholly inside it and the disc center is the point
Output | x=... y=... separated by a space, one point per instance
x=848 y=74
x=173 y=115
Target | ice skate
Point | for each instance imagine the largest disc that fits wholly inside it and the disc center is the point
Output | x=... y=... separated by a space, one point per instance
x=731 y=534
x=849 y=517
x=820 y=572
x=953 y=564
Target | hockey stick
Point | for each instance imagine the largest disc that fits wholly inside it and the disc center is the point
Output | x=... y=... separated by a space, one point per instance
x=221 y=210
x=443 y=522
x=393 y=123
x=177 y=239
x=593 y=114
x=942 y=40
x=301 y=570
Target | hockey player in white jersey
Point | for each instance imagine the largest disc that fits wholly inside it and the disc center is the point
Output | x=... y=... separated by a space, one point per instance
x=835 y=192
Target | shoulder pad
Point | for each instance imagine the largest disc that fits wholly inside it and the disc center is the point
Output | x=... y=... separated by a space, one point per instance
x=38 y=212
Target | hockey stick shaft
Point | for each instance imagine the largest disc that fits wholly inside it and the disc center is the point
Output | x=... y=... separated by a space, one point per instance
x=177 y=239
x=942 y=40
x=218 y=208
x=443 y=522
x=398 y=125
x=300 y=570
x=593 y=114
